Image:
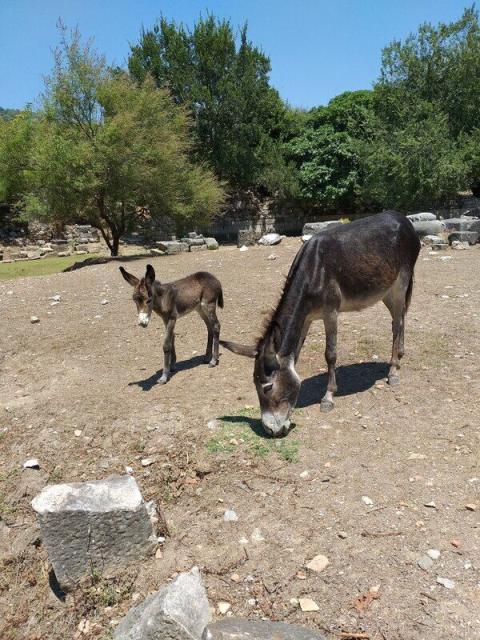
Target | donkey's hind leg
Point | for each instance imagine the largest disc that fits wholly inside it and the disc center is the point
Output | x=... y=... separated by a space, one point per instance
x=330 y=322
x=396 y=303
x=208 y=314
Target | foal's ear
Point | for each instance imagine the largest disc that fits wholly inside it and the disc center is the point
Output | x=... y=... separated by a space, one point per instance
x=149 y=275
x=240 y=349
x=131 y=279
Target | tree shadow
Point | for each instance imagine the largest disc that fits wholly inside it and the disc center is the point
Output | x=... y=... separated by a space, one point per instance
x=352 y=378
x=148 y=383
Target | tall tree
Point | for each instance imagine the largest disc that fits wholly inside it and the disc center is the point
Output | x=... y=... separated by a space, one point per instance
x=327 y=150
x=238 y=116
x=109 y=150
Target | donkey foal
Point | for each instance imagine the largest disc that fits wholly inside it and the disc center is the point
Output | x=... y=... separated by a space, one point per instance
x=199 y=292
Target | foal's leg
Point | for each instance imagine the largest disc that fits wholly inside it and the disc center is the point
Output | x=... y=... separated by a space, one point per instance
x=209 y=315
x=168 y=350
x=330 y=322
x=395 y=301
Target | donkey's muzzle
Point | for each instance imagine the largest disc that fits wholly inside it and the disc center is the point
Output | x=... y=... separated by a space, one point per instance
x=143 y=319
x=274 y=426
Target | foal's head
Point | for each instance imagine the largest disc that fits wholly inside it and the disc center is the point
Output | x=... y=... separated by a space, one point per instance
x=276 y=382
x=142 y=293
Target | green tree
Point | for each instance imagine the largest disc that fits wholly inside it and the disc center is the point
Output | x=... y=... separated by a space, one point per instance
x=327 y=150
x=239 y=117
x=110 y=151
x=16 y=136
x=427 y=101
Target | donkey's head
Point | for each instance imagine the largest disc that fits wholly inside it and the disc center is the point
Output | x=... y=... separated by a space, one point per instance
x=276 y=381
x=142 y=293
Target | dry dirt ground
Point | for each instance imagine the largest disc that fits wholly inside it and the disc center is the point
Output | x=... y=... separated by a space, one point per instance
x=88 y=367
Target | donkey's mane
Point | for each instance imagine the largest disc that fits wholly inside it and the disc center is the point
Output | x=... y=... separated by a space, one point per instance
x=271 y=317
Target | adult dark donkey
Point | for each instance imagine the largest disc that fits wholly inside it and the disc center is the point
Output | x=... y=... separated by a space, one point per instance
x=199 y=292
x=345 y=268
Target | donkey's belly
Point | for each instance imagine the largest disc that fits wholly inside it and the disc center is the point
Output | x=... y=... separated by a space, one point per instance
x=361 y=302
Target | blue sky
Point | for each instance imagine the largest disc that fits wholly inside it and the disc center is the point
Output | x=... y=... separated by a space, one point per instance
x=318 y=48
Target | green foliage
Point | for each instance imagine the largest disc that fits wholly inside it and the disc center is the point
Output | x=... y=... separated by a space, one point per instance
x=110 y=151
x=238 y=117
x=43 y=267
x=327 y=150
x=16 y=137
x=8 y=114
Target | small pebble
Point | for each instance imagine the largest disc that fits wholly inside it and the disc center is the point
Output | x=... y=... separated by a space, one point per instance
x=342 y=535
x=34 y=319
x=223 y=607
x=430 y=505
x=366 y=500
x=104 y=301
x=446 y=582
x=434 y=554
x=77 y=433
x=425 y=563
x=307 y=604
x=146 y=462
x=230 y=516
x=471 y=507
x=318 y=563
x=31 y=463
x=257 y=536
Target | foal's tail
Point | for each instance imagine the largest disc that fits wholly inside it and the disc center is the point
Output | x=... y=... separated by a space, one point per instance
x=408 y=295
x=220 y=298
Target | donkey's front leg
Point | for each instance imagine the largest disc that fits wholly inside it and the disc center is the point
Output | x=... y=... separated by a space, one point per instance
x=168 y=350
x=330 y=322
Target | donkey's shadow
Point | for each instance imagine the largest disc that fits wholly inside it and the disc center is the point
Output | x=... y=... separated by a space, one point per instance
x=351 y=378
x=184 y=365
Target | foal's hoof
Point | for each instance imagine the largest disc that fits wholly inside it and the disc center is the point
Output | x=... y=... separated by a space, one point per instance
x=393 y=380
x=326 y=406
x=163 y=380
x=213 y=363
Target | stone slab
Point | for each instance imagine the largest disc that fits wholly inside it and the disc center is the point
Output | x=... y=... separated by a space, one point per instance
x=93 y=526
x=179 y=611
x=312 y=228
x=463 y=236
x=429 y=228
x=240 y=629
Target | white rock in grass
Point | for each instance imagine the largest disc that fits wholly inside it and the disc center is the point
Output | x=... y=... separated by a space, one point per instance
x=307 y=605
x=31 y=463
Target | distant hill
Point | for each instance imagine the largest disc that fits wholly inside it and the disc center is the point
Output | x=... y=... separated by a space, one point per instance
x=8 y=114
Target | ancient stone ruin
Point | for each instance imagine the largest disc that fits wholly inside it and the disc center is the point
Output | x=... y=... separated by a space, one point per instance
x=93 y=526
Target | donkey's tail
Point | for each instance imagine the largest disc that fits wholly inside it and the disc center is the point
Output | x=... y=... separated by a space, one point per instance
x=220 y=298
x=408 y=296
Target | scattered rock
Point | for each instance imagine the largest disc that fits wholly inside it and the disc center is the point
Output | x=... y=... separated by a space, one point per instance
x=424 y=216
x=428 y=228
x=471 y=507
x=77 y=433
x=257 y=536
x=243 y=248
x=425 y=563
x=460 y=246
x=318 y=563
x=272 y=256
x=430 y=505
x=179 y=611
x=240 y=629
x=366 y=500
x=211 y=243
x=223 y=607
x=311 y=228
x=34 y=319
x=429 y=239
x=31 y=463
x=307 y=604
x=55 y=298
x=147 y=462
x=270 y=239
x=446 y=582
x=417 y=456
x=171 y=247
x=104 y=301
x=343 y=535
x=93 y=526
x=434 y=554
x=470 y=237
x=230 y=516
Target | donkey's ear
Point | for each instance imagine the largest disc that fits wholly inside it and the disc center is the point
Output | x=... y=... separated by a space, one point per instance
x=240 y=349
x=131 y=279
x=149 y=275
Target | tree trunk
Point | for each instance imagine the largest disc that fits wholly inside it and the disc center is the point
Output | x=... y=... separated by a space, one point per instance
x=115 y=244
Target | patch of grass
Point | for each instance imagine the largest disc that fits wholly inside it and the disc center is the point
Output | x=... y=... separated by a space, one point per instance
x=244 y=429
x=42 y=267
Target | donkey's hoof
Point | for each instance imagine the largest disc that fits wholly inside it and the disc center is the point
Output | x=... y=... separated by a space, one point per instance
x=393 y=380
x=163 y=380
x=213 y=363
x=326 y=406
